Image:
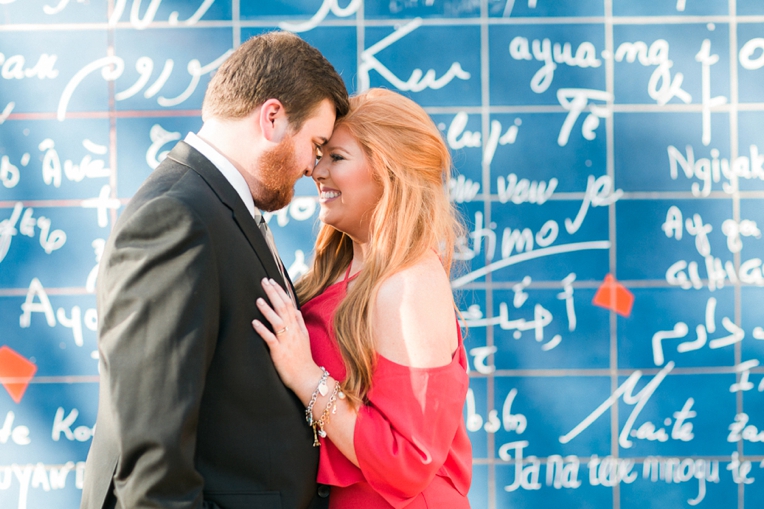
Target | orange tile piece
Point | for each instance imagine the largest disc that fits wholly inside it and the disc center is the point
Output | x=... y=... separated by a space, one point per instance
x=16 y=371
x=614 y=296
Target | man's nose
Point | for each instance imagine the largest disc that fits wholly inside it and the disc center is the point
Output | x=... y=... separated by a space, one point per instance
x=308 y=172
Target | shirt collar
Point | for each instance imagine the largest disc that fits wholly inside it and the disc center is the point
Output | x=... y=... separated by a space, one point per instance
x=228 y=170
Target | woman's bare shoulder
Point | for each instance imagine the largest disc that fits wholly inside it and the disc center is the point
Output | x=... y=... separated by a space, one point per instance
x=413 y=316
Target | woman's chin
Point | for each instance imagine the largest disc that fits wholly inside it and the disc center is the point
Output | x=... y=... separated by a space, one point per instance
x=324 y=217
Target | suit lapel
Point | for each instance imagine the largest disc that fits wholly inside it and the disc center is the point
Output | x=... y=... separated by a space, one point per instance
x=185 y=154
x=291 y=285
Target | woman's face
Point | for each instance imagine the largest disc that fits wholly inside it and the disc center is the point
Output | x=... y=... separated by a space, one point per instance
x=347 y=190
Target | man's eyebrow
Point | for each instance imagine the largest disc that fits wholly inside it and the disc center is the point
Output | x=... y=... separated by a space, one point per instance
x=324 y=141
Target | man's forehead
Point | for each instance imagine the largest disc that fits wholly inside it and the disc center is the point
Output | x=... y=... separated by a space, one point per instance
x=321 y=123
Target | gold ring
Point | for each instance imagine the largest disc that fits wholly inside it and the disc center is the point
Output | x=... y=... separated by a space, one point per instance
x=282 y=331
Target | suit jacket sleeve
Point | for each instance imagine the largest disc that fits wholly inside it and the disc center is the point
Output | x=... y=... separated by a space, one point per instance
x=159 y=312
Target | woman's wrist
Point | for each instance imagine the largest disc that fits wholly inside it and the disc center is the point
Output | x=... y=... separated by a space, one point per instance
x=308 y=384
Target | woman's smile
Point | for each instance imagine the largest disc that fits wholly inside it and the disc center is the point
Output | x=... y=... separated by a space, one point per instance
x=328 y=194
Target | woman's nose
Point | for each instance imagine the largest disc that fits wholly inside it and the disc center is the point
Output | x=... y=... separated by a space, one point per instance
x=319 y=170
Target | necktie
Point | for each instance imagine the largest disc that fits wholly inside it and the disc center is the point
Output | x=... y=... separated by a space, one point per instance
x=272 y=246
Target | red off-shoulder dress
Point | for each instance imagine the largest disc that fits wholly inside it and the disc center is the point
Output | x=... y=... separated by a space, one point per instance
x=410 y=438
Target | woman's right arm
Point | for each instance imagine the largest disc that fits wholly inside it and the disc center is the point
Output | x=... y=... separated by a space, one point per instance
x=290 y=352
x=401 y=438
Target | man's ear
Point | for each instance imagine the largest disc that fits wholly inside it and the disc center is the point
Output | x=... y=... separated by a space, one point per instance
x=273 y=120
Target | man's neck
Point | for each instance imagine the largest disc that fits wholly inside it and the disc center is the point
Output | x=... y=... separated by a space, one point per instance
x=230 y=139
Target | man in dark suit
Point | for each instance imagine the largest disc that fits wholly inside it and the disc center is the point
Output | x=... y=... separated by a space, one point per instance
x=192 y=413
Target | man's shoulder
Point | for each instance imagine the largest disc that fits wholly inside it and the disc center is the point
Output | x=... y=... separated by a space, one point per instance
x=175 y=181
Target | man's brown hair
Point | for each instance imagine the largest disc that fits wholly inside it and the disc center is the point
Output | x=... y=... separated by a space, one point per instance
x=275 y=65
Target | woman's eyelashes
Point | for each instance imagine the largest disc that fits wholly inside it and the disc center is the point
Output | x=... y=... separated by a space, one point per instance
x=336 y=157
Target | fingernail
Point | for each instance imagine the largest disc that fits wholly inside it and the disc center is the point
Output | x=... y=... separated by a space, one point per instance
x=260 y=301
x=266 y=281
x=273 y=282
x=256 y=323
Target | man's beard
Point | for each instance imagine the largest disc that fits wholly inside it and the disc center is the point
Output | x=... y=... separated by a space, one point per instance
x=275 y=181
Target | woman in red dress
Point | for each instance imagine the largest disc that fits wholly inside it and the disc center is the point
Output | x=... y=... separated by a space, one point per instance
x=376 y=355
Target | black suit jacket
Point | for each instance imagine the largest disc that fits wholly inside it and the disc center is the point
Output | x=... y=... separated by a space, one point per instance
x=192 y=413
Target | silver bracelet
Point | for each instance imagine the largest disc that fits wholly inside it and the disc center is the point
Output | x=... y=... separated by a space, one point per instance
x=331 y=408
x=322 y=389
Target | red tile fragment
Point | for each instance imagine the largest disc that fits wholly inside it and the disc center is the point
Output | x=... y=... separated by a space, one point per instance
x=614 y=296
x=16 y=371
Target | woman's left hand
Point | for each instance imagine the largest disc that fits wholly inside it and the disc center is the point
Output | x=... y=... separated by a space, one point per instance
x=290 y=344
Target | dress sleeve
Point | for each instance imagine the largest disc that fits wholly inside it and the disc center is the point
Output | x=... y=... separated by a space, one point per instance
x=403 y=435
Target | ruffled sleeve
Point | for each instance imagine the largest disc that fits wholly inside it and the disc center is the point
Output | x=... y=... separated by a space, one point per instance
x=404 y=434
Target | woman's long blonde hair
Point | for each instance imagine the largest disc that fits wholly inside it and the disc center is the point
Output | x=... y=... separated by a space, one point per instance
x=408 y=157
